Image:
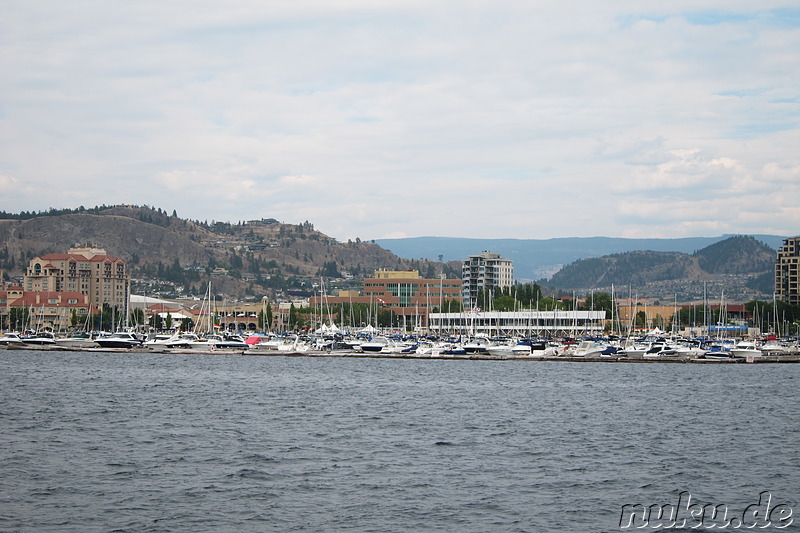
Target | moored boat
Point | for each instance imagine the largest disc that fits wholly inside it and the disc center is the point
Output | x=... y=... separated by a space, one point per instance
x=44 y=338
x=120 y=339
x=76 y=341
x=11 y=339
x=745 y=348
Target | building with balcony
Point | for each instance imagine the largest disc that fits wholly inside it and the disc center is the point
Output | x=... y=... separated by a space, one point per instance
x=787 y=268
x=56 y=311
x=87 y=271
x=486 y=270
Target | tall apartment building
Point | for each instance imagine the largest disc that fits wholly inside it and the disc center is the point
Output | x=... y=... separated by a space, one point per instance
x=486 y=270
x=89 y=271
x=787 y=267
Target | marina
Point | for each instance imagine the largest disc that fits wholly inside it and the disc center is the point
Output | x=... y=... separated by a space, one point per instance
x=594 y=350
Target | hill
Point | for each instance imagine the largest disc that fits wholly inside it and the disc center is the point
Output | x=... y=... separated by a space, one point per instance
x=541 y=258
x=251 y=258
x=741 y=265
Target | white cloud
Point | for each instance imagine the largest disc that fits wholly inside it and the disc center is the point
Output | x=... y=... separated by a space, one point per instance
x=501 y=119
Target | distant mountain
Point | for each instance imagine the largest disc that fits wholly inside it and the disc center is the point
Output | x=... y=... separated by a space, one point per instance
x=541 y=258
x=737 y=255
x=741 y=263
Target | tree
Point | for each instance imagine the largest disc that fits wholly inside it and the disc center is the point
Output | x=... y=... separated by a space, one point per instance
x=450 y=306
x=550 y=304
x=641 y=320
x=330 y=270
x=18 y=318
x=137 y=317
x=386 y=318
x=598 y=301
x=105 y=319
x=168 y=321
x=157 y=322
x=430 y=273
x=504 y=303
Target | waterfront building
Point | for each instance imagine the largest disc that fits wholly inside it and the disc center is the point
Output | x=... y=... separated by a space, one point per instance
x=228 y=316
x=787 y=268
x=486 y=270
x=89 y=271
x=409 y=296
x=525 y=322
x=20 y=310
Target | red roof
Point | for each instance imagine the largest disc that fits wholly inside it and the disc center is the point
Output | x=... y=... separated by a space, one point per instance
x=29 y=298
x=78 y=257
x=63 y=257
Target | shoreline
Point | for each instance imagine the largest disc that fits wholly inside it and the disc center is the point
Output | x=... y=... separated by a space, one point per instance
x=794 y=357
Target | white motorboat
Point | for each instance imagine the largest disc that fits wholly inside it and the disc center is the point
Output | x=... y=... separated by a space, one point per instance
x=745 y=348
x=263 y=342
x=11 y=339
x=588 y=348
x=509 y=350
x=44 y=338
x=374 y=345
x=77 y=341
x=221 y=342
x=774 y=348
x=478 y=344
x=160 y=340
x=120 y=339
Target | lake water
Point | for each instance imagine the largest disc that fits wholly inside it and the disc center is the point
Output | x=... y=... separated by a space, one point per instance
x=195 y=443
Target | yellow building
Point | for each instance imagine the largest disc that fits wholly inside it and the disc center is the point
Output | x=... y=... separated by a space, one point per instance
x=396 y=274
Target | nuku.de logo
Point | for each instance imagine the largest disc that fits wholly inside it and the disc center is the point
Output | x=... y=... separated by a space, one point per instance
x=686 y=514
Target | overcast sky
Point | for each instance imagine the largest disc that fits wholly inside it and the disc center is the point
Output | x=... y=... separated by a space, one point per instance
x=378 y=119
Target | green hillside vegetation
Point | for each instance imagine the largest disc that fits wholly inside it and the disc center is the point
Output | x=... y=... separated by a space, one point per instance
x=736 y=255
x=738 y=259
x=635 y=268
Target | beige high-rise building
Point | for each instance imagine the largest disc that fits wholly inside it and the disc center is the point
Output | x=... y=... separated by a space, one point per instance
x=787 y=268
x=90 y=271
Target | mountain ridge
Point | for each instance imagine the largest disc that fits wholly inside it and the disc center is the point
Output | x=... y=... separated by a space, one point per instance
x=245 y=259
x=740 y=263
x=538 y=259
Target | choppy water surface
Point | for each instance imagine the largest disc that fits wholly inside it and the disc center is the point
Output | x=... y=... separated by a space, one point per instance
x=188 y=443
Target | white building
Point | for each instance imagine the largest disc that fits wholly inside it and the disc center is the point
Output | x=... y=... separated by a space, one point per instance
x=487 y=270
x=526 y=322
